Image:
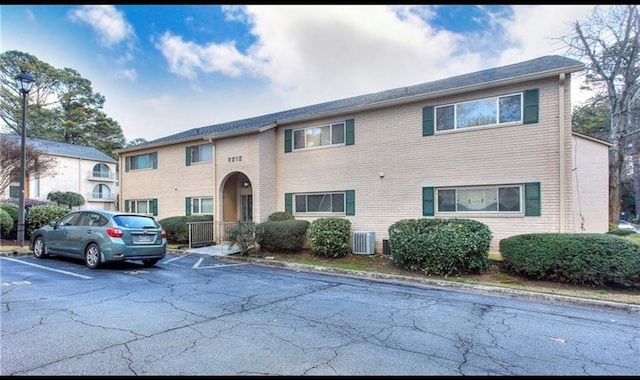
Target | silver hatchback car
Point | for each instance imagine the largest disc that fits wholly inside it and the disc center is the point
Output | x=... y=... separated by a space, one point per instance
x=99 y=236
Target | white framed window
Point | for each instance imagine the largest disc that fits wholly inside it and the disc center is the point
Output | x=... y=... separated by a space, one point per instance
x=101 y=171
x=505 y=109
x=320 y=203
x=141 y=161
x=202 y=205
x=200 y=153
x=481 y=199
x=140 y=206
x=101 y=191
x=322 y=135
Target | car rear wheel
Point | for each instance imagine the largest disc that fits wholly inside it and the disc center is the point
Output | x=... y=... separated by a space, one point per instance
x=92 y=256
x=150 y=262
x=40 y=249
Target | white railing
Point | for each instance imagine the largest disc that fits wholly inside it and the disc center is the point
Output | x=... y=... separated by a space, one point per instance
x=97 y=176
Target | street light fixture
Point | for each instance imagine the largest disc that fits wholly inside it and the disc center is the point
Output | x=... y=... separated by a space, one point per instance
x=24 y=82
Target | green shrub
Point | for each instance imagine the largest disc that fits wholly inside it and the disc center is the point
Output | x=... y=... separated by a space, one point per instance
x=177 y=227
x=39 y=216
x=6 y=223
x=441 y=246
x=242 y=234
x=577 y=258
x=621 y=231
x=282 y=236
x=11 y=209
x=66 y=198
x=280 y=216
x=329 y=237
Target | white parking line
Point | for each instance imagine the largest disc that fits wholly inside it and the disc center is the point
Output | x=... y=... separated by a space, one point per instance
x=221 y=265
x=174 y=259
x=51 y=269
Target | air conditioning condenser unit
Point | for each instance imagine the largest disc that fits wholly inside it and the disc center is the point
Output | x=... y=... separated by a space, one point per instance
x=364 y=242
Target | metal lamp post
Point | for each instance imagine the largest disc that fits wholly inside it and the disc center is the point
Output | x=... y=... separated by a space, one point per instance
x=24 y=82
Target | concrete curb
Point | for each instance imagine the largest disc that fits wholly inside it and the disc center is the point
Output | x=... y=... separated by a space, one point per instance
x=457 y=286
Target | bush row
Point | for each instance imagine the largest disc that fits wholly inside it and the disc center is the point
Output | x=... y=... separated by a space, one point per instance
x=577 y=258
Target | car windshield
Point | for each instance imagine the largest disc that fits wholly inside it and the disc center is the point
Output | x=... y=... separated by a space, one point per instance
x=135 y=221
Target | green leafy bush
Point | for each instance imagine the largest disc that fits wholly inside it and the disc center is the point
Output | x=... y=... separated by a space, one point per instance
x=66 y=198
x=280 y=216
x=6 y=222
x=39 y=216
x=329 y=237
x=285 y=235
x=441 y=246
x=243 y=235
x=177 y=227
x=621 y=231
x=577 y=258
x=11 y=209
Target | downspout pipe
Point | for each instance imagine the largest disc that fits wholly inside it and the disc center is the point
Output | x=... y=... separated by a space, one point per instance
x=563 y=153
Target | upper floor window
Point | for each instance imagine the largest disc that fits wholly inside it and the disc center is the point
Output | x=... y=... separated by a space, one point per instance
x=101 y=171
x=199 y=153
x=141 y=161
x=480 y=112
x=312 y=137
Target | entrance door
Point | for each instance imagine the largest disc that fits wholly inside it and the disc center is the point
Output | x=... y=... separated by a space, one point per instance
x=246 y=207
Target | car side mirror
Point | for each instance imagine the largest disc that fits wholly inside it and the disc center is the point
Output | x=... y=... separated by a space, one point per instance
x=53 y=224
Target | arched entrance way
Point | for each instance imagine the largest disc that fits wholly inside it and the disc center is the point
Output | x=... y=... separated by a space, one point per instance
x=236 y=203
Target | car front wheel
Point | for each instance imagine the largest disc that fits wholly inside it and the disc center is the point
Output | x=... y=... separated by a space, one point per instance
x=92 y=256
x=39 y=248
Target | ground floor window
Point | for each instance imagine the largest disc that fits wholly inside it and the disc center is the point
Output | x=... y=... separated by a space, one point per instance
x=480 y=199
x=199 y=205
x=334 y=202
x=142 y=206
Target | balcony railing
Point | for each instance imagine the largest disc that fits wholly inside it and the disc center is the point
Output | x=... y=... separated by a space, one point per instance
x=91 y=197
x=104 y=177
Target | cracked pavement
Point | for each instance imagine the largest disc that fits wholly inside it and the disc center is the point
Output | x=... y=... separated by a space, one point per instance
x=191 y=315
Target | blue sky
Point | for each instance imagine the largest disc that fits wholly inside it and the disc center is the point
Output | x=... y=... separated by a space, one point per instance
x=164 y=69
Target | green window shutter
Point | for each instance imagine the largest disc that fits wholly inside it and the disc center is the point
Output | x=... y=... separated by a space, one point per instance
x=428 y=203
x=127 y=206
x=126 y=163
x=187 y=206
x=287 y=140
x=427 y=121
x=350 y=207
x=154 y=159
x=288 y=203
x=532 y=199
x=154 y=206
x=349 y=137
x=531 y=106
x=187 y=158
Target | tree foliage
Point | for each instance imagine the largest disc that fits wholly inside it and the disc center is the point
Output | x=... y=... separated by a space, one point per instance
x=62 y=105
x=609 y=41
x=66 y=198
x=37 y=165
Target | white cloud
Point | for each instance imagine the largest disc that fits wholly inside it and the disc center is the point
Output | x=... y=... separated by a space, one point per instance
x=106 y=21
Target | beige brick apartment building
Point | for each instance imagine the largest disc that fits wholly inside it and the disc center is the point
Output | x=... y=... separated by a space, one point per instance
x=494 y=145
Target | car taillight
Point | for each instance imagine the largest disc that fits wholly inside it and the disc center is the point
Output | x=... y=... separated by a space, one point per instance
x=114 y=232
x=163 y=234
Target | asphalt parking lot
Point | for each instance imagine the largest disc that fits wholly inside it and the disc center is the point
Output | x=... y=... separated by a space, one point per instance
x=202 y=315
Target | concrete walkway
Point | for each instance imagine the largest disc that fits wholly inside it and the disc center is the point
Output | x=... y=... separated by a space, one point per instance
x=215 y=250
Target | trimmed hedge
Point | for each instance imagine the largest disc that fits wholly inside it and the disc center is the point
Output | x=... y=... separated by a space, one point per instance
x=329 y=237
x=621 y=231
x=6 y=223
x=279 y=216
x=578 y=258
x=282 y=236
x=177 y=228
x=441 y=246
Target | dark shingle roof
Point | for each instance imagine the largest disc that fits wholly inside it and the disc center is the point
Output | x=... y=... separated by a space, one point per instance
x=547 y=64
x=56 y=148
